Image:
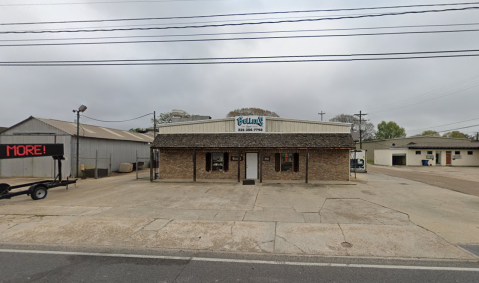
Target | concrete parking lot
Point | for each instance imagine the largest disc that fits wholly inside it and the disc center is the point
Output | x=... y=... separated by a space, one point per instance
x=375 y=216
x=460 y=179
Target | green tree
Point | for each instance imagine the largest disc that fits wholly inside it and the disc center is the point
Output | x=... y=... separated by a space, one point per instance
x=455 y=134
x=251 y=111
x=163 y=118
x=138 y=130
x=430 y=133
x=367 y=128
x=390 y=130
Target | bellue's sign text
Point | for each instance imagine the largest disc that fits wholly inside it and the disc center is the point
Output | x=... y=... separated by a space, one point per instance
x=8 y=151
x=250 y=124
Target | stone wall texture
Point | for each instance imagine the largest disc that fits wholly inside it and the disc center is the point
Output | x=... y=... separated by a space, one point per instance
x=325 y=165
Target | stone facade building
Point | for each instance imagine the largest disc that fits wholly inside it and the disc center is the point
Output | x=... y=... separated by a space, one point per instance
x=259 y=148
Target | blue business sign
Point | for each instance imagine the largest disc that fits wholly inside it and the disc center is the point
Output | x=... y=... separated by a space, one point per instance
x=250 y=124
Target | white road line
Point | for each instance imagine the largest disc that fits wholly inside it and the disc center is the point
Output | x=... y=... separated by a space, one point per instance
x=205 y=259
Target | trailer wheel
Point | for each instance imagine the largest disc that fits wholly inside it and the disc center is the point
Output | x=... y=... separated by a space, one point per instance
x=38 y=192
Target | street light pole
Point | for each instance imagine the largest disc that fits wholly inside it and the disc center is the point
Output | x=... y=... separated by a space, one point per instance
x=78 y=143
x=82 y=108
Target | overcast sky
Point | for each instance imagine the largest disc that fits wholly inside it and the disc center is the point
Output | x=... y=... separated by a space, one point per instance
x=388 y=90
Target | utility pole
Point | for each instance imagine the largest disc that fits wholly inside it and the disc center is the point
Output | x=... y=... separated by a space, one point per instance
x=477 y=136
x=321 y=113
x=154 y=124
x=360 y=130
x=155 y=152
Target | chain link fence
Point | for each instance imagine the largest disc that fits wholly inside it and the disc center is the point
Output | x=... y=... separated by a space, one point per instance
x=142 y=162
x=95 y=167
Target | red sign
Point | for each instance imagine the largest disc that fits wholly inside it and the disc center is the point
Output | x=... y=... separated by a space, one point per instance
x=8 y=151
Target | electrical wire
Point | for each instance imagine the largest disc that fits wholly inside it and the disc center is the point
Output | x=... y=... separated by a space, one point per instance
x=448 y=94
x=226 y=15
x=242 y=24
x=426 y=94
x=232 y=62
x=103 y=2
x=233 y=38
x=237 y=33
x=244 y=57
x=117 y=121
x=200 y=22
x=444 y=125
x=450 y=130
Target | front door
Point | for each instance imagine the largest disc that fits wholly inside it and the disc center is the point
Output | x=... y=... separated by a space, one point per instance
x=251 y=165
x=438 y=157
x=448 y=158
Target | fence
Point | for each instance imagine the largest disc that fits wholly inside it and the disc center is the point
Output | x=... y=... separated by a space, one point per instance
x=141 y=162
x=95 y=167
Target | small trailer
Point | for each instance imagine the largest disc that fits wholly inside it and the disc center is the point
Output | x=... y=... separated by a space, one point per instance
x=358 y=161
x=37 y=190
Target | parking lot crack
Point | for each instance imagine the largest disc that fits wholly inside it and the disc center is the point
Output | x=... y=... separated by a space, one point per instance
x=321 y=208
x=284 y=239
x=259 y=245
x=231 y=230
x=334 y=193
x=275 y=229
x=256 y=198
x=344 y=237
x=166 y=224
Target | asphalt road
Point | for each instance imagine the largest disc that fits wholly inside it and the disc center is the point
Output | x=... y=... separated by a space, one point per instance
x=36 y=266
x=446 y=182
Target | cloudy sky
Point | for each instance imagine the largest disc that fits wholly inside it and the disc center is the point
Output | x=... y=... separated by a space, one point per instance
x=417 y=94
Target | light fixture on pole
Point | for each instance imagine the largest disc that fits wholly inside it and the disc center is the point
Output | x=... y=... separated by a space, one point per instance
x=82 y=108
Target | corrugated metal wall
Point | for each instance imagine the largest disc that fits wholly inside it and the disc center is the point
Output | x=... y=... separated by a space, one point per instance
x=275 y=126
x=272 y=126
x=27 y=132
x=38 y=166
x=120 y=151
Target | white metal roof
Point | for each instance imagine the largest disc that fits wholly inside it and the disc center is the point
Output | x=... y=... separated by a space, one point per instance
x=267 y=118
x=97 y=132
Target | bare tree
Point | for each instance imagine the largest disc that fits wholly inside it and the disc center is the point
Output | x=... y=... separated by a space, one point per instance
x=368 y=130
x=251 y=111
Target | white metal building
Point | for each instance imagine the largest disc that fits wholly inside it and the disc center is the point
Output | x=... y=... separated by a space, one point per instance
x=372 y=145
x=436 y=154
x=113 y=147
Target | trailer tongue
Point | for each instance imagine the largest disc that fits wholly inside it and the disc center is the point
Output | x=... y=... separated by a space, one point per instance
x=37 y=190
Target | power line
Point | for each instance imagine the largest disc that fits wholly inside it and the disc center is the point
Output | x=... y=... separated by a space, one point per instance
x=233 y=38
x=230 y=62
x=244 y=57
x=223 y=15
x=117 y=121
x=242 y=24
x=198 y=22
x=101 y=2
x=448 y=94
x=458 y=128
x=430 y=93
x=445 y=125
x=237 y=33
